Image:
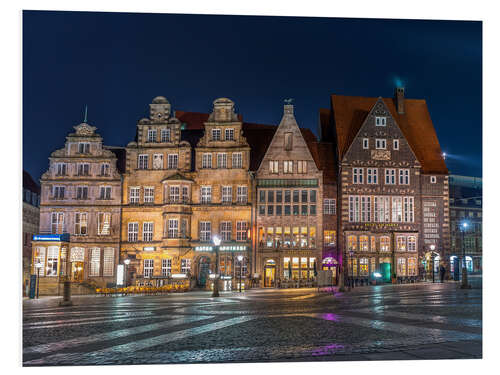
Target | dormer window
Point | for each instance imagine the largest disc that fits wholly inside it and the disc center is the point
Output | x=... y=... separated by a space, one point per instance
x=229 y=134
x=215 y=134
x=395 y=144
x=380 y=144
x=380 y=121
x=365 y=143
x=83 y=148
x=288 y=141
x=152 y=135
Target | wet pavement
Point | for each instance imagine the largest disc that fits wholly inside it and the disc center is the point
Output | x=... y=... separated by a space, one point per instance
x=389 y=322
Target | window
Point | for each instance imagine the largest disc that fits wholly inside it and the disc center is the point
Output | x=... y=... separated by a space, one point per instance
x=270 y=210
x=227 y=194
x=134 y=195
x=147 y=231
x=149 y=195
x=173 y=228
x=142 y=161
x=404 y=176
x=148 y=267
x=288 y=141
x=408 y=209
x=366 y=202
x=206 y=161
x=382 y=209
x=357 y=175
x=222 y=160
x=412 y=266
x=401 y=267
x=173 y=160
x=158 y=161
x=352 y=242
x=279 y=196
x=279 y=210
x=273 y=166
x=354 y=208
x=133 y=232
x=365 y=143
x=61 y=169
x=287 y=210
x=229 y=134
x=295 y=196
x=237 y=161
x=165 y=135
x=380 y=144
x=103 y=223
x=52 y=259
x=262 y=210
x=80 y=223
x=385 y=244
x=390 y=176
x=206 y=194
x=40 y=258
x=151 y=135
x=83 y=169
x=270 y=196
x=312 y=196
x=329 y=237
x=288 y=166
x=363 y=267
x=184 y=228
x=312 y=209
x=372 y=176
x=380 y=121
x=303 y=210
x=395 y=144
x=241 y=231
x=363 y=243
x=397 y=209
x=433 y=179
x=401 y=243
x=225 y=230
x=105 y=192
x=302 y=166
x=287 y=196
x=82 y=192
x=95 y=261
x=215 y=134
x=166 y=267
x=373 y=246
x=83 y=148
x=242 y=194
x=57 y=222
x=412 y=244
x=185 y=265
x=58 y=192
x=205 y=231
x=295 y=209
x=304 y=196
x=105 y=169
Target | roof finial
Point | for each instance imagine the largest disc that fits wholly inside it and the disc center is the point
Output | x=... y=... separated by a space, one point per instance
x=288 y=101
x=85 y=117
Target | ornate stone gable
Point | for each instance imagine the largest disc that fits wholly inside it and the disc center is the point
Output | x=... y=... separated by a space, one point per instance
x=84 y=129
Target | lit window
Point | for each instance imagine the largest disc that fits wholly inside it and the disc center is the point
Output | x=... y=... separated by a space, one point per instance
x=385 y=244
x=433 y=179
x=273 y=166
x=363 y=267
x=352 y=243
x=302 y=166
x=363 y=243
x=52 y=260
x=288 y=166
x=401 y=267
x=329 y=237
x=401 y=243
x=103 y=223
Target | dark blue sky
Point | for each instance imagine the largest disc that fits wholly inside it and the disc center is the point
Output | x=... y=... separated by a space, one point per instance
x=117 y=62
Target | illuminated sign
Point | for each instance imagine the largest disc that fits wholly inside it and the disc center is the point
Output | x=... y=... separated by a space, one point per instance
x=203 y=248
x=179 y=276
x=150 y=248
x=51 y=237
x=222 y=248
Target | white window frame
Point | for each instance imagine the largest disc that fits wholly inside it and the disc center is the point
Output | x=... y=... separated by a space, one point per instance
x=57 y=222
x=237 y=160
x=133 y=232
x=147 y=231
x=185 y=265
x=227 y=194
x=408 y=209
x=173 y=161
x=205 y=231
x=166 y=267
x=366 y=204
x=173 y=228
x=433 y=179
x=206 y=162
x=149 y=194
x=81 y=224
x=390 y=176
x=216 y=135
x=288 y=166
x=354 y=208
x=242 y=194
x=380 y=121
x=152 y=136
x=58 y=192
x=148 y=268
x=83 y=169
x=108 y=261
x=397 y=209
x=61 y=169
x=142 y=161
x=382 y=209
x=206 y=194
x=226 y=230
x=95 y=261
x=357 y=175
x=222 y=160
x=84 y=147
x=103 y=223
x=381 y=143
x=174 y=193
x=105 y=192
x=229 y=134
x=165 y=135
x=302 y=166
x=241 y=231
x=372 y=176
x=366 y=143
x=273 y=166
x=134 y=194
x=395 y=144
x=82 y=192
x=404 y=177
x=329 y=206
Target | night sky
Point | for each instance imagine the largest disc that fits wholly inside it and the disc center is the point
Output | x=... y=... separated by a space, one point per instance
x=116 y=63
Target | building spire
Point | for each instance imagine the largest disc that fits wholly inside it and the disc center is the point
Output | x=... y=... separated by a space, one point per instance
x=85 y=117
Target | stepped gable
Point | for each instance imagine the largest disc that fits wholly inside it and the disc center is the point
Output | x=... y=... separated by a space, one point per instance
x=349 y=113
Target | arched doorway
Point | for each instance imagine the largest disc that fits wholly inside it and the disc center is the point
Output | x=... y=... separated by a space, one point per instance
x=203 y=270
x=270 y=273
x=330 y=264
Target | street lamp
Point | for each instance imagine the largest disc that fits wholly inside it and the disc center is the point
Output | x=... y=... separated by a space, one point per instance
x=216 y=240
x=465 y=284
x=432 y=260
x=240 y=259
x=351 y=278
x=38 y=266
x=126 y=262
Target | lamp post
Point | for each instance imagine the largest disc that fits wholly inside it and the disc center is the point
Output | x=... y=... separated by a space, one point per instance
x=38 y=266
x=126 y=262
x=216 y=240
x=351 y=278
x=465 y=284
x=432 y=260
x=67 y=285
x=240 y=259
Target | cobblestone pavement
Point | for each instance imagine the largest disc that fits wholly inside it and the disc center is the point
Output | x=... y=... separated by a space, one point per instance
x=389 y=322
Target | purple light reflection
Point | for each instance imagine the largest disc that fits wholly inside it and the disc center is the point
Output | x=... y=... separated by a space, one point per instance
x=330 y=316
x=328 y=349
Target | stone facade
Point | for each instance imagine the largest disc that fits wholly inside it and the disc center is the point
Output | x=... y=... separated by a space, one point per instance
x=80 y=195
x=289 y=211
x=31 y=222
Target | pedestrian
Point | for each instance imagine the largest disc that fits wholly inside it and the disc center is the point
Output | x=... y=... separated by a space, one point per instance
x=442 y=272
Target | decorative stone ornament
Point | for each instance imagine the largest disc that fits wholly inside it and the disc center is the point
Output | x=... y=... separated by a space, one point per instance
x=84 y=129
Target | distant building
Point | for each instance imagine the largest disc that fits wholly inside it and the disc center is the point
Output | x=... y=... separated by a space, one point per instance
x=31 y=219
x=466 y=206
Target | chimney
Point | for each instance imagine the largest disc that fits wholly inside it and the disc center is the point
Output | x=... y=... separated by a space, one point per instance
x=400 y=100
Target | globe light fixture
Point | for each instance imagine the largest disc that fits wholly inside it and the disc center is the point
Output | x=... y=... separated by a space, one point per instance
x=216 y=240
x=126 y=261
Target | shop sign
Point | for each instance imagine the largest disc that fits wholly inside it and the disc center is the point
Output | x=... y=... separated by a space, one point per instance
x=233 y=248
x=203 y=248
x=51 y=237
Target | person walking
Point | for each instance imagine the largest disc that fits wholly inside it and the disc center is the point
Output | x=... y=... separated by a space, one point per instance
x=442 y=272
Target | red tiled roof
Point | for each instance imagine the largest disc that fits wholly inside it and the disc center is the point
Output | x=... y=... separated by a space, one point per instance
x=350 y=111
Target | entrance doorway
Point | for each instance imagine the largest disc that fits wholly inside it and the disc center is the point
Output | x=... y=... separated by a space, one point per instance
x=77 y=271
x=203 y=271
x=270 y=273
x=330 y=264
